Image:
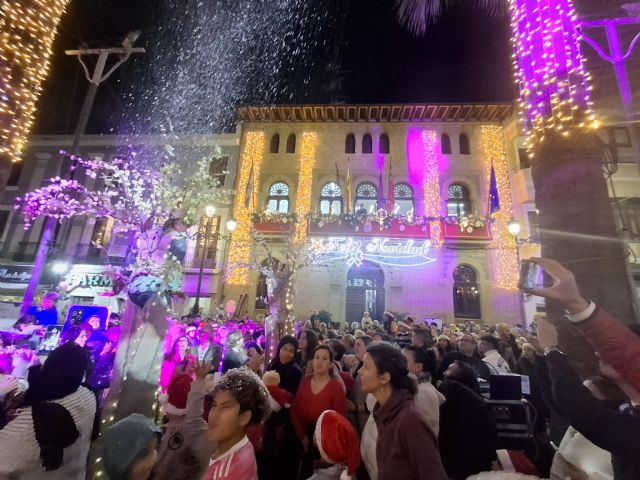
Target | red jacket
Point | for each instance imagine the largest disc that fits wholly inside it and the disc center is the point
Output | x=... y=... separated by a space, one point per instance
x=615 y=343
x=307 y=407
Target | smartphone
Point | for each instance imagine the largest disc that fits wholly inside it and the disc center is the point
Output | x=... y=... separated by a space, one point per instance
x=530 y=275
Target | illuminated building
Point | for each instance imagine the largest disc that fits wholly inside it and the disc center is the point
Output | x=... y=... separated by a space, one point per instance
x=430 y=250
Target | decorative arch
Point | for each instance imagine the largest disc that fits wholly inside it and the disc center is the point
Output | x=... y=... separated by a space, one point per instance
x=367 y=143
x=384 y=146
x=403 y=198
x=466 y=292
x=458 y=200
x=291 y=143
x=274 y=146
x=445 y=144
x=350 y=143
x=365 y=292
x=366 y=197
x=331 y=199
x=278 y=200
x=465 y=145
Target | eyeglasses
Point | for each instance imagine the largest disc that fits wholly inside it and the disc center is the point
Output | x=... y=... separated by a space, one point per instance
x=466 y=340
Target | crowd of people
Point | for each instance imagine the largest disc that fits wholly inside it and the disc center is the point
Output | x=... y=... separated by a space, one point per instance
x=388 y=399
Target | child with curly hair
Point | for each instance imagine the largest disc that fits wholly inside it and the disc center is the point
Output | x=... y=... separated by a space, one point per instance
x=239 y=400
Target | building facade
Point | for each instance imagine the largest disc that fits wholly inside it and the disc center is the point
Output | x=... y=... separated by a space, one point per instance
x=323 y=175
x=76 y=239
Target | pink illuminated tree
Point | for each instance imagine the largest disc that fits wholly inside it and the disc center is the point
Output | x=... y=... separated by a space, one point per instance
x=577 y=225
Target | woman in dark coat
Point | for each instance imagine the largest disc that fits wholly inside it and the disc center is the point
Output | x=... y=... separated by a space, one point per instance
x=282 y=451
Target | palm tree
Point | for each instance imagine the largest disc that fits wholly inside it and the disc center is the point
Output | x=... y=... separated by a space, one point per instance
x=576 y=220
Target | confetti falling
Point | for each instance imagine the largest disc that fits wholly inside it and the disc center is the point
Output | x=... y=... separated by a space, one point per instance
x=207 y=57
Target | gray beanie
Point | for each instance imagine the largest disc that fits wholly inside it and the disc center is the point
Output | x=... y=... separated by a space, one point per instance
x=125 y=442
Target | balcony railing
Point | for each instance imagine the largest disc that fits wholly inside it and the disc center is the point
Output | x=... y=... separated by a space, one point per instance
x=467 y=228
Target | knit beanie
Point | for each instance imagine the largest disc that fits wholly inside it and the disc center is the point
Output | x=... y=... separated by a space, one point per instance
x=125 y=442
x=338 y=442
x=175 y=400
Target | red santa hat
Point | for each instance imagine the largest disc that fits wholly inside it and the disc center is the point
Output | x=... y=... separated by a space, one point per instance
x=338 y=442
x=516 y=462
x=279 y=398
x=175 y=400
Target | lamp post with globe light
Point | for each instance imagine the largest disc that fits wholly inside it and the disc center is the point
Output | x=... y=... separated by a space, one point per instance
x=210 y=211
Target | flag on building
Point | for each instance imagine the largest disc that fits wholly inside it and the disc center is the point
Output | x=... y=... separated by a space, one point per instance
x=391 y=197
x=348 y=190
x=381 y=200
x=248 y=193
x=494 y=198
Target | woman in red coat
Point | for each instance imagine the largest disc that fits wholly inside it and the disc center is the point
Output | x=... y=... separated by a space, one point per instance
x=318 y=392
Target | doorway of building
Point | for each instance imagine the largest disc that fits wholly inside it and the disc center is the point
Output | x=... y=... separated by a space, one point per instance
x=365 y=292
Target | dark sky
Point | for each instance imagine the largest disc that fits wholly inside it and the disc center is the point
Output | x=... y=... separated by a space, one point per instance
x=466 y=57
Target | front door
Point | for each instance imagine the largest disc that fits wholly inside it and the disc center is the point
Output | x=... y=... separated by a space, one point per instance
x=365 y=292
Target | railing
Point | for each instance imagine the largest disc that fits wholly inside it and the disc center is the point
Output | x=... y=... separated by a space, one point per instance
x=470 y=228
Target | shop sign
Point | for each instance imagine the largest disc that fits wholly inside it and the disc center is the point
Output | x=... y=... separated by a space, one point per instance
x=15 y=277
x=88 y=281
x=383 y=251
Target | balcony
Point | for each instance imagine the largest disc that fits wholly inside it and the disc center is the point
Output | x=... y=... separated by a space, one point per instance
x=453 y=229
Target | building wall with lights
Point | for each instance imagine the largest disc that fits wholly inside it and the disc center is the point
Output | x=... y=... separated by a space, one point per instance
x=42 y=160
x=305 y=181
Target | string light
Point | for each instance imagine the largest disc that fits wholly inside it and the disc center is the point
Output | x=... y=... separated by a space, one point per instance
x=240 y=248
x=308 y=149
x=549 y=68
x=27 y=31
x=431 y=185
x=495 y=154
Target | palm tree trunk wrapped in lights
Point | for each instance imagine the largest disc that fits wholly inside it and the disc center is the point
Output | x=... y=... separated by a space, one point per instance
x=577 y=226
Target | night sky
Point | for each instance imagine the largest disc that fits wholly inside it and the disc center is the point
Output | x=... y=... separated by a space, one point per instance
x=465 y=57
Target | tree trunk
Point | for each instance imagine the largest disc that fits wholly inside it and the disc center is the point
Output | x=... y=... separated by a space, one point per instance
x=577 y=229
x=136 y=373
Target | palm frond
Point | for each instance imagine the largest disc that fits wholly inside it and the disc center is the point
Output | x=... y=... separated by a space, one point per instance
x=416 y=15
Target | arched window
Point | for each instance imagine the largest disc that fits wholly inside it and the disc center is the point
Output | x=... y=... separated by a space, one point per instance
x=466 y=293
x=384 y=143
x=445 y=144
x=465 y=147
x=366 y=198
x=291 y=143
x=367 y=144
x=262 y=291
x=459 y=202
x=275 y=143
x=278 y=199
x=403 y=196
x=350 y=144
x=331 y=199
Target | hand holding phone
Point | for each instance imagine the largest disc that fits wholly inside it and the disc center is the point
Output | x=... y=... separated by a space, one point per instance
x=564 y=289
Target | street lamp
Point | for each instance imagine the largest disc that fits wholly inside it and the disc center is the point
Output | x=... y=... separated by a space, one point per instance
x=60 y=267
x=209 y=211
x=514 y=228
x=231 y=225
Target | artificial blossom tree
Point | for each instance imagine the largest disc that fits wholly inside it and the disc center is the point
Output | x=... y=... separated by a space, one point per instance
x=154 y=202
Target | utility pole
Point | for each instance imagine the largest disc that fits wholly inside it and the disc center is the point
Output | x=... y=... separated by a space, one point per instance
x=95 y=80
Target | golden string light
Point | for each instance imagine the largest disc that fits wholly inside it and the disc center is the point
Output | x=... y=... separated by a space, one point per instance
x=250 y=166
x=308 y=148
x=431 y=185
x=27 y=31
x=495 y=154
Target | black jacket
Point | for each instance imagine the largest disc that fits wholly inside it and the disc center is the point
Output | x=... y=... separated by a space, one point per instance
x=467 y=432
x=479 y=367
x=611 y=430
